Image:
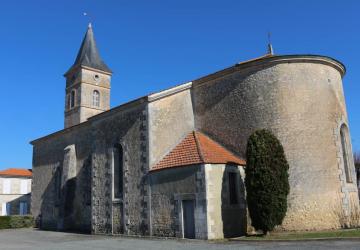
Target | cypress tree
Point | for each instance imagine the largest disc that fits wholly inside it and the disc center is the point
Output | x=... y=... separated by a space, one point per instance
x=266 y=181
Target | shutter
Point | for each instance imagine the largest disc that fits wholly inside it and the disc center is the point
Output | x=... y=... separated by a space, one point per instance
x=8 y=209
x=6 y=183
x=23 y=187
x=23 y=208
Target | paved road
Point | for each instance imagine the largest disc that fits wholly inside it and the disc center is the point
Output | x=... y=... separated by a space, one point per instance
x=41 y=240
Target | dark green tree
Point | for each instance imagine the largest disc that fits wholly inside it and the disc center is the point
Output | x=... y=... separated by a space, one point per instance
x=266 y=181
x=357 y=160
x=357 y=164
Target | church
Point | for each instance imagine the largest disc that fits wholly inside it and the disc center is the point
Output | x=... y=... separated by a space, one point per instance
x=171 y=164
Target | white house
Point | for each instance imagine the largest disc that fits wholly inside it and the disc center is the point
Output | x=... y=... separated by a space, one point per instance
x=15 y=191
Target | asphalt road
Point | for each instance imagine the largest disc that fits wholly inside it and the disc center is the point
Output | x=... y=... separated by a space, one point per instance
x=39 y=240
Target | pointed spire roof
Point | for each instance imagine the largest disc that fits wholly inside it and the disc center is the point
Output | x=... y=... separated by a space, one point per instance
x=88 y=54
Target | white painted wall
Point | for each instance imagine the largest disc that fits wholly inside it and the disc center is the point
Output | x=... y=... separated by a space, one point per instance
x=3 y=208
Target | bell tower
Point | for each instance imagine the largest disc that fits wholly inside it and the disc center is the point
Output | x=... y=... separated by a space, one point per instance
x=87 y=83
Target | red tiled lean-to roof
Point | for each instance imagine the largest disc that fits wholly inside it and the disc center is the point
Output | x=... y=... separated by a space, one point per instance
x=16 y=172
x=197 y=148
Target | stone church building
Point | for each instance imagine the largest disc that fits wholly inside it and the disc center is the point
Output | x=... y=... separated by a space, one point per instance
x=172 y=163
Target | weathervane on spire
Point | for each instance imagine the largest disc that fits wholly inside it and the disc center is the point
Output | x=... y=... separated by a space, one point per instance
x=270 y=48
x=89 y=18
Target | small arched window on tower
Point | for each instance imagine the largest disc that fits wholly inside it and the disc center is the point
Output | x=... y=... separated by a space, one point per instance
x=72 y=99
x=96 y=98
x=118 y=172
x=345 y=152
x=68 y=101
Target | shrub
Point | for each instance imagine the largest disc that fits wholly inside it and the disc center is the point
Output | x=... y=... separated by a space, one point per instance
x=16 y=221
x=267 y=180
x=348 y=217
x=357 y=160
x=357 y=166
x=5 y=222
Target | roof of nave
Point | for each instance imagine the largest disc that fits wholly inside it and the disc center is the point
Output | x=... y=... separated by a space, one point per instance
x=267 y=59
x=197 y=148
x=88 y=54
x=270 y=59
x=20 y=172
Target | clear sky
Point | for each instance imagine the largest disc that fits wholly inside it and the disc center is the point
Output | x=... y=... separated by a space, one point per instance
x=152 y=45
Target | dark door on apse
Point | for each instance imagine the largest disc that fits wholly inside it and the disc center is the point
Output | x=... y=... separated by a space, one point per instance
x=188 y=219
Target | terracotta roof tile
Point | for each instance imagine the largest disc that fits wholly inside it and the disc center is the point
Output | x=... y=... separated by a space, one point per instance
x=197 y=148
x=16 y=172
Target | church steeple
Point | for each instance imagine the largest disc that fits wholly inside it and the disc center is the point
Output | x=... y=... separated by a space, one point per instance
x=87 y=83
x=88 y=54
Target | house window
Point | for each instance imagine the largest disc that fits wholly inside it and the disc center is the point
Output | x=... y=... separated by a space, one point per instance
x=72 y=99
x=232 y=189
x=345 y=152
x=117 y=172
x=96 y=98
x=68 y=101
x=23 y=208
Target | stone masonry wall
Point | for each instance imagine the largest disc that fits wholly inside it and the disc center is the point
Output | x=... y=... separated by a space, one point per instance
x=225 y=220
x=170 y=119
x=50 y=202
x=169 y=187
x=129 y=128
x=302 y=103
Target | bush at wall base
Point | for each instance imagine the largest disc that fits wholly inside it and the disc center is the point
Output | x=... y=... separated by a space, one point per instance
x=16 y=221
x=266 y=181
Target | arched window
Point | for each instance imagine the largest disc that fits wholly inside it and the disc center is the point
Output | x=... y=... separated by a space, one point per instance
x=96 y=99
x=345 y=152
x=118 y=172
x=72 y=99
x=68 y=101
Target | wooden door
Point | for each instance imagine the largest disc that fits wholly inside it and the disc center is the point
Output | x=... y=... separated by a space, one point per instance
x=188 y=219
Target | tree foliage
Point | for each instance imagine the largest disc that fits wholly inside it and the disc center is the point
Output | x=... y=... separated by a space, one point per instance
x=357 y=160
x=16 y=221
x=357 y=164
x=267 y=180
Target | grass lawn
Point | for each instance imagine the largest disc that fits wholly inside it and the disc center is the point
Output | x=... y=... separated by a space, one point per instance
x=344 y=233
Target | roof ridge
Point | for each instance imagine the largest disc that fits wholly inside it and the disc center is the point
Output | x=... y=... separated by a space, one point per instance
x=198 y=147
x=210 y=139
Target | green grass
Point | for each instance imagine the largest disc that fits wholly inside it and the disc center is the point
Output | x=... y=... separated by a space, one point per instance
x=344 y=233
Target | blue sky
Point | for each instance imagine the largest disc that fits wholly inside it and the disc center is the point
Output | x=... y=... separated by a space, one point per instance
x=152 y=45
